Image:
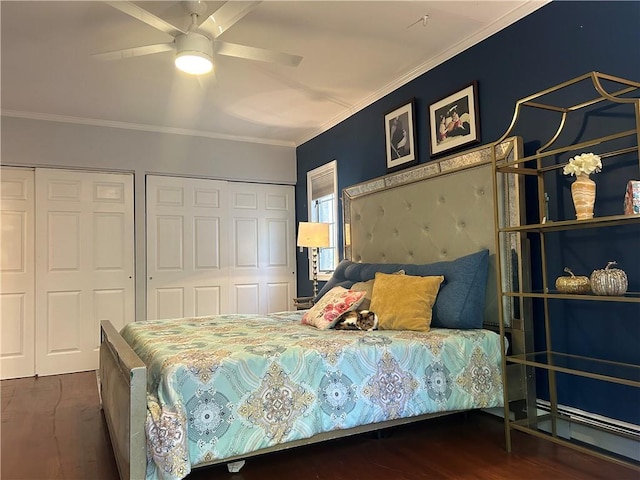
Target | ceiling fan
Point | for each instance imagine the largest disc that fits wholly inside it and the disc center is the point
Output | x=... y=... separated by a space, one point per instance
x=196 y=45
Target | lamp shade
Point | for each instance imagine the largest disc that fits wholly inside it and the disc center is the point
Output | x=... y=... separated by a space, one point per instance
x=313 y=234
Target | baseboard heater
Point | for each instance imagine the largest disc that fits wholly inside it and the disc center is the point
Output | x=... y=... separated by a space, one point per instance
x=603 y=432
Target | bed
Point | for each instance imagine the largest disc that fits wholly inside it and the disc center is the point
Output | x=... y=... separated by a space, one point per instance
x=221 y=389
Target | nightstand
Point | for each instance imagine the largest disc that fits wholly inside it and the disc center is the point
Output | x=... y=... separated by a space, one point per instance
x=303 y=303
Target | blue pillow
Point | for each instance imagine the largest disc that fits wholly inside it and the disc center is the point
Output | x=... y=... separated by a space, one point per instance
x=460 y=302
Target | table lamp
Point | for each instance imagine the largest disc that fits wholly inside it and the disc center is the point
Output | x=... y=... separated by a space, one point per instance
x=313 y=235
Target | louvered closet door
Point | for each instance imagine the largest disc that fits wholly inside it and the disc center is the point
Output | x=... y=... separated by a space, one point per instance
x=84 y=265
x=17 y=276
x=262 y=271
x=187 y=250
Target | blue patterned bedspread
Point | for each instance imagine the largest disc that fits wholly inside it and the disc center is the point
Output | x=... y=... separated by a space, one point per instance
x=230 y=384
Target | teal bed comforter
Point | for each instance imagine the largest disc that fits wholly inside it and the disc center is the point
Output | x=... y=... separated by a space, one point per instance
x=228 y=385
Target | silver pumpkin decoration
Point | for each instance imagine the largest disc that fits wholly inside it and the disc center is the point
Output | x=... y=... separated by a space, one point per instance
x=609 y=281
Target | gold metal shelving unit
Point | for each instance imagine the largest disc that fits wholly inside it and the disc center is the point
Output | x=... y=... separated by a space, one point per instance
x=546 y=162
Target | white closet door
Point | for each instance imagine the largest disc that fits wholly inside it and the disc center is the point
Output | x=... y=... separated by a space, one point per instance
x=17 y=278
x=84 y=265
x=262 y=272
x=187 y=252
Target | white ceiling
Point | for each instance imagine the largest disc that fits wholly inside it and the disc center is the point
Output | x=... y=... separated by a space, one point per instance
x=354 y=53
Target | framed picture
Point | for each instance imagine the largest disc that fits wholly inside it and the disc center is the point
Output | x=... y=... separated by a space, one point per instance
x=400 y=133
x=454 y=121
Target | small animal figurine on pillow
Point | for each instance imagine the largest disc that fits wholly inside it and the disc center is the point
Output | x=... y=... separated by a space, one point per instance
x=358 y=320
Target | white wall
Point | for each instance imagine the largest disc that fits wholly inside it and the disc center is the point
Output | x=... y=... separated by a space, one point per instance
x=42 y=143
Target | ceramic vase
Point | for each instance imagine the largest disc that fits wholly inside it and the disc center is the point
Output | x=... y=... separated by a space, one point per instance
x=583 y=192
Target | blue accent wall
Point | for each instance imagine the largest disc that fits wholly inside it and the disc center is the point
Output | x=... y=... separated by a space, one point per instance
x=558 y=42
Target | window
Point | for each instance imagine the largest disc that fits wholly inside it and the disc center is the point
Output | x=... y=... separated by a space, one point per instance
x=322 y=198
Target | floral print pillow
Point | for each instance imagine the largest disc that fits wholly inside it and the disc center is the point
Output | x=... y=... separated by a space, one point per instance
x=334 y=303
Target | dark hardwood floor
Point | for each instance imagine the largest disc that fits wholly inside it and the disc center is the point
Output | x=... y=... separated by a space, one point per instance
x=52 y=428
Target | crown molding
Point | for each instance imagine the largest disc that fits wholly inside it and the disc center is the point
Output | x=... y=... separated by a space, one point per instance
x=140 y=127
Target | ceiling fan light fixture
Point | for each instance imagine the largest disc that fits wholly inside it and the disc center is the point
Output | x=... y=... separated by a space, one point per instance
x=194 y=63
x=194 y=53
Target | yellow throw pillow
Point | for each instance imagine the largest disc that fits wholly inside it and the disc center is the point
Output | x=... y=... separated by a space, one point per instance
x=404 y=302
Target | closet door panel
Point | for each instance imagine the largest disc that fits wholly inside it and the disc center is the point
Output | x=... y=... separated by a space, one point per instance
x=170 y=302
x=279 y=296
x=13 y=311
x=246 y=297
x=64 y=324
x=186 y=247
x=218 y=247
x=84 y=264
x=277 y=254
x=245 y=234
x=207 y=300
x=110 y=303
x=263 y=248
x=17 y=273
x=169 y=243
x=206 y=246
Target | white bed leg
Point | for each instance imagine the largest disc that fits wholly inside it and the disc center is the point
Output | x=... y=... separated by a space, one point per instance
x=234 y=467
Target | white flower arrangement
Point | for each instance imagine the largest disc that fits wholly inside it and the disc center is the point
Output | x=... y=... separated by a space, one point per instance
x=587 y=163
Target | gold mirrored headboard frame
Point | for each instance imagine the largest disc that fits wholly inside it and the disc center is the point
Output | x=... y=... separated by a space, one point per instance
x=474 y=168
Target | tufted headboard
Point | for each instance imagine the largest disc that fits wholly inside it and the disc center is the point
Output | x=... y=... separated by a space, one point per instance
x=437 y=211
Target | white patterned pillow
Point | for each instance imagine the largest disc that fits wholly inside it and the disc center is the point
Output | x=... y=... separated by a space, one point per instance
x=334 y=303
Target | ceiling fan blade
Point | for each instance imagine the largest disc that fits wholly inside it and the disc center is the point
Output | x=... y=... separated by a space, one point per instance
x=145 y=16
x=135 y=51
x=254 y=53
x=226 y=16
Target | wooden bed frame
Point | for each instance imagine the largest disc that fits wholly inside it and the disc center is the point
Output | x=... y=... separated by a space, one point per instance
x=467 y=226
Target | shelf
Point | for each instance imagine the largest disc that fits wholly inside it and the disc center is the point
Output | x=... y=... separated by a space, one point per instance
x=534 y=174
x=516 y=166
x=629 y=297
x=551 y=226
x=543 y=425
x=614 y=372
